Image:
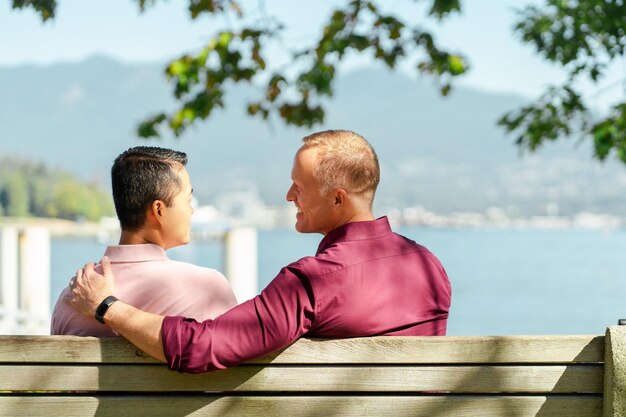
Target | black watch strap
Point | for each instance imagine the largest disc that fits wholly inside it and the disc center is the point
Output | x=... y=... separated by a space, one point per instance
x=104 y=307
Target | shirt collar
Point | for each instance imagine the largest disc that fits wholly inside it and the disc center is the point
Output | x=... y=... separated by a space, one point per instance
x=135 y=253
x=365 y=230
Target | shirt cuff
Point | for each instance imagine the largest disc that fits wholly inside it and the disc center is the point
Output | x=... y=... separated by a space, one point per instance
x=171 y=341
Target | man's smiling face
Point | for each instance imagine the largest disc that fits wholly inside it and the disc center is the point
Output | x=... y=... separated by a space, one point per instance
x=315 y=211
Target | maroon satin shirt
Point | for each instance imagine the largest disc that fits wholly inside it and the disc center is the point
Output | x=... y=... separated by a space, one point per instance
x=364 y=280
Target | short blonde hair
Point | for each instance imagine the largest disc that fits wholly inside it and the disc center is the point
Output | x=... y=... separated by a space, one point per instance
x=346 y=160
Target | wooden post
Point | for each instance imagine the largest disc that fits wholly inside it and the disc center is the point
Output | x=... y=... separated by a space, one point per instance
x=614 y=403
x=34 y=277
x=240 y=261
x=8 y=275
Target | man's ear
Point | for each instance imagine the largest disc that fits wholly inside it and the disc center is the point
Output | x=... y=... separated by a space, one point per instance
x=341 y=196
x=157 y=208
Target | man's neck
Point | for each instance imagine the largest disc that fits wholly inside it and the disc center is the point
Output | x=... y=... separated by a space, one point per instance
x=360 y=217
x=137 y=237
x=363 y=216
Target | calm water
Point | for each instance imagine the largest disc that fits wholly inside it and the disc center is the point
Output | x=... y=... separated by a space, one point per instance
x=503 y=281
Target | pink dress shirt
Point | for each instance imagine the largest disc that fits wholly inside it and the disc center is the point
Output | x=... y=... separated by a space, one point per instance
x=147 y=279
x=364 y=280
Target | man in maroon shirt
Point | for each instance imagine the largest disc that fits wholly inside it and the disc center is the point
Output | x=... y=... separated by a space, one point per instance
x=364 y=279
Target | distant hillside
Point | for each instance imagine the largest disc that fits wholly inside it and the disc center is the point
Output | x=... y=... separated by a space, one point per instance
x=445 y=154
x=30 y=189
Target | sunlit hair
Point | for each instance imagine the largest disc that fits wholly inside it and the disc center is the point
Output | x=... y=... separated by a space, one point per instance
x=346 y=160
x=140 y=176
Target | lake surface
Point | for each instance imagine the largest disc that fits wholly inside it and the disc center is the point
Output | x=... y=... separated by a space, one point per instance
x=504 y=282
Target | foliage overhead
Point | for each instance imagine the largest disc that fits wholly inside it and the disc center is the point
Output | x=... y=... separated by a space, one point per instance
x=45 y=8
x=295 y=93
x=584 y=37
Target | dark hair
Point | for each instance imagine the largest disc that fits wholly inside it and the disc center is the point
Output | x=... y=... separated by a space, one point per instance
x=140 y=176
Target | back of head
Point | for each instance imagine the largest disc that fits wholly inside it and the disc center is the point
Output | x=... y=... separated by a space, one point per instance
x=142 y=175
x=346 y=160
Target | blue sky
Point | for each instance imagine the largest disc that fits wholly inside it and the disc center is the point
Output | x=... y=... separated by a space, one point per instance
x=116 y=28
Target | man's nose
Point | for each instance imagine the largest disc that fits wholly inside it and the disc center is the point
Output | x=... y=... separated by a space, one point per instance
x=289 y=195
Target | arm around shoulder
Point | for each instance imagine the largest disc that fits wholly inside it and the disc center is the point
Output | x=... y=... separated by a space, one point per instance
x=89 y=288
x=140 y=328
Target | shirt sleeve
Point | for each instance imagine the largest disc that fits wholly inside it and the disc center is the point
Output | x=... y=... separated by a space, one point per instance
x=284 y=311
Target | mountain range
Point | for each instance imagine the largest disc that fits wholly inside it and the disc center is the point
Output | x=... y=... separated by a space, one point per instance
x=445 y=154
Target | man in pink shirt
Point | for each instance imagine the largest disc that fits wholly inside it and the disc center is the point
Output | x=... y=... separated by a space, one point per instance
x=152 y=194
x=364 y=279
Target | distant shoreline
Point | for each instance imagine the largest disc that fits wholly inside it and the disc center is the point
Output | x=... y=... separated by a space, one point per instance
x=56 y=227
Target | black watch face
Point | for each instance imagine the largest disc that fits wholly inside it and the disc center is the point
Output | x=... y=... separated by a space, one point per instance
x=103 y=307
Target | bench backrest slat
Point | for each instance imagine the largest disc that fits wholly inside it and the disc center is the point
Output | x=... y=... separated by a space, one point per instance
x=557 y=379
x=164 y=406
x=383 y=350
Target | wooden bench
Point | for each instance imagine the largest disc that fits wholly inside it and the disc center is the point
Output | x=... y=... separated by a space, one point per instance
x=381 y=376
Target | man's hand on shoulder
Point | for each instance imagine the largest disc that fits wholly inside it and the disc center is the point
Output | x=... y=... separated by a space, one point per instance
x=88 y=288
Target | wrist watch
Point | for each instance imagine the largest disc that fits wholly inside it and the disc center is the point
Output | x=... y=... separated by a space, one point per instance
x=104 y=307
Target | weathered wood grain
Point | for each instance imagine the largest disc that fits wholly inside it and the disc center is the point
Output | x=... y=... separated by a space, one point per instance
x=380 y=376
x=196 y=406
x=455 y=379
x=384 y=350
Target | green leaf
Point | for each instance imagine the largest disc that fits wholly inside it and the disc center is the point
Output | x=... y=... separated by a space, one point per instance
x=456 y=65
x=177 y=67
x=147 y=128
x=225 y=38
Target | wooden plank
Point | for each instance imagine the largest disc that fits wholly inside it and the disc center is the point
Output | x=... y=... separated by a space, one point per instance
x=455 y=379
x=197 y=406
x=383 y=350
x=70 y=349
x=448 y=349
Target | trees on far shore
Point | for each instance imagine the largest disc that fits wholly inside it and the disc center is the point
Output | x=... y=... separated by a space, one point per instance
x=31 y=189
